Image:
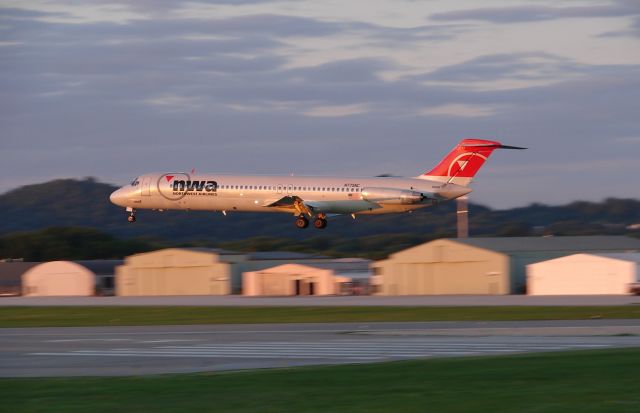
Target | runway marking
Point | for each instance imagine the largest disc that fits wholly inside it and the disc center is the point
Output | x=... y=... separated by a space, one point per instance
x=70 y=340
x=329 y=350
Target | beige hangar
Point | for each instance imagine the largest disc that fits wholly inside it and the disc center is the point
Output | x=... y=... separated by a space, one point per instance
x=292 y=279
x=443 y=267
x=178 y=271
x=584 y=274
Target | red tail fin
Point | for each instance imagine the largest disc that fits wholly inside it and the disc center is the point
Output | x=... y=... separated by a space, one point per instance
x=464 y=161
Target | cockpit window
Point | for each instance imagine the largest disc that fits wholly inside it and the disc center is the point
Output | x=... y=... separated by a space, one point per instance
x=135 y=182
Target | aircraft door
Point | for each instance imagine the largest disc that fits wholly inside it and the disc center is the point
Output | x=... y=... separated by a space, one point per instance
x=145 y=187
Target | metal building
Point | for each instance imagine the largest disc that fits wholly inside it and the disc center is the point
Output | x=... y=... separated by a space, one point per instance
x=584 y=274
x=292 y=279
x=443 y=267
x=58 y=278
x=260 y=260
x=104 y=271
x=177 y=271
x=11 y=276
x=481 y=265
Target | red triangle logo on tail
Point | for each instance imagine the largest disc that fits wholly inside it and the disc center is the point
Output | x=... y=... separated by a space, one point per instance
x=169 y=178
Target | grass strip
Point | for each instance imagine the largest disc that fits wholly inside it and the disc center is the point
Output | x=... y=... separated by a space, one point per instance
x=584 y=381
x=155 y=315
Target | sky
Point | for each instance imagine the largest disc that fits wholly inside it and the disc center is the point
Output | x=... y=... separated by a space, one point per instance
x=114 y=89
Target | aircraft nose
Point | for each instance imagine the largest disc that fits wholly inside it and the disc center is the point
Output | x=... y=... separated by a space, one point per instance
x=117 y=197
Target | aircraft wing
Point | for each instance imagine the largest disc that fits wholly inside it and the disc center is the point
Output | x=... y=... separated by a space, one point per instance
x=310 y=207
x=290 y=202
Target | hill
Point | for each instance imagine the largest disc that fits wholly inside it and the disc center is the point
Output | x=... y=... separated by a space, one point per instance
x=85 y=203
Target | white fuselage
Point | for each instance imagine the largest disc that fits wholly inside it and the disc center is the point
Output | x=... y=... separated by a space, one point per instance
x=326 y=195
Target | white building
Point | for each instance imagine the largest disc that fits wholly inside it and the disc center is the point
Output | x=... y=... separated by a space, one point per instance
x=584 y=274
x=292 y=279
x=58 y=278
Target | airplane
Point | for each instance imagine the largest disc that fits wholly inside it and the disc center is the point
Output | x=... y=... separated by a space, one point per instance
x=316 y=197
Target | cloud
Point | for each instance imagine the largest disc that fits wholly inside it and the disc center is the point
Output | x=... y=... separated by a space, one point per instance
x=336 y=111
x=632 y=31
x=518 y=14
x=520 y=66
x=459 y=110
x=341 y=71
x=10 y=13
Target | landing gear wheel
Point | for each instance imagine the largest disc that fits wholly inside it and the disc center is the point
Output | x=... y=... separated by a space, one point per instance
x=302 y=222
x=131 y=218
x=320 y=223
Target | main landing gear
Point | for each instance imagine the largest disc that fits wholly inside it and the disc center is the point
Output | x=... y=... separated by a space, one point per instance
x=132 y=214
x=319 y=222
x=302 y=222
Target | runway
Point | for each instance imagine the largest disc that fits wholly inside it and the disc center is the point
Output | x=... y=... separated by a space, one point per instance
x=117 y=351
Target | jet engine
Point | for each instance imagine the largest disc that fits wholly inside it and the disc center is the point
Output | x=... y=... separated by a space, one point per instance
x=392 y=196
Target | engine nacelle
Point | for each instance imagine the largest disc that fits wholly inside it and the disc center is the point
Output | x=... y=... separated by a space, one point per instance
x=391 y=196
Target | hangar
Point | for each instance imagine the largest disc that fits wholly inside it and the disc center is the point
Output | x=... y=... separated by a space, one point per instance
x=292 y=279
x=584 y=274
x=493 y=265
x=176 y=271
x=58 y=278
x=260 y=260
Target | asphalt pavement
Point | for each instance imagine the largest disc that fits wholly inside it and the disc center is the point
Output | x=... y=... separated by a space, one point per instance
x=138 y=350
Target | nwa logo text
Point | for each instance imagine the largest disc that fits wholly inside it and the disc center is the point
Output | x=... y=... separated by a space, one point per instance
x=194 y=186
x=178 y=185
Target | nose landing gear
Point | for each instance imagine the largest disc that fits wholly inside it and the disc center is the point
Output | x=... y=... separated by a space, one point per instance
x=132 y=214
